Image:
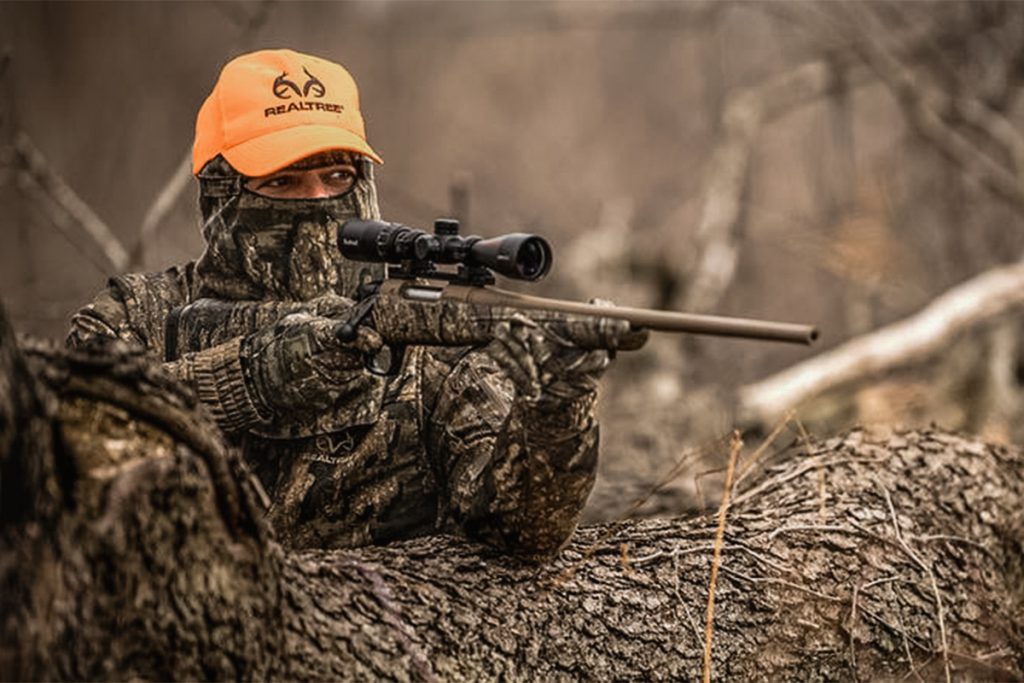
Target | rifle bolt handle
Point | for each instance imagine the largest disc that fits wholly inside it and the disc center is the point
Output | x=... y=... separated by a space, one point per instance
x=345 y=332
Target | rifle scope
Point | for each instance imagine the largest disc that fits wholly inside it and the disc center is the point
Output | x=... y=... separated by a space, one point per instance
x=517 y=255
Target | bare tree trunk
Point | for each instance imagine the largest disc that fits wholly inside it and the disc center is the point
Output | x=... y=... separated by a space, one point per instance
x=132 y=548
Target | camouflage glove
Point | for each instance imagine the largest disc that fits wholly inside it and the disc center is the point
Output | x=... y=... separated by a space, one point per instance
x=550 y=364
x=205 y=323
x=329 y=305
x=299 y=365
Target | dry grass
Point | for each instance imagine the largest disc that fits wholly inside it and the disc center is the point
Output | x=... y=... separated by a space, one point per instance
x=716 y=558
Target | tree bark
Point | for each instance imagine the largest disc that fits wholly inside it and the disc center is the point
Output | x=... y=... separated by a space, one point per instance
x=133 y=547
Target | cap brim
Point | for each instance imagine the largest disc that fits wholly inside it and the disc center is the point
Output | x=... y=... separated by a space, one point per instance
x=273 y=151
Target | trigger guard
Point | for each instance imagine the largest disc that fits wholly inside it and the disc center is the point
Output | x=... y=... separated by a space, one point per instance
x=386 y=362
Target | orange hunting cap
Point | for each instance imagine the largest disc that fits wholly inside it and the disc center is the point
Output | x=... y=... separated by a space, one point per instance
x=273 y=107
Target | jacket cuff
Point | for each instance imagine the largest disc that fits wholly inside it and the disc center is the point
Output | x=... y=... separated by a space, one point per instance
x=221 y=386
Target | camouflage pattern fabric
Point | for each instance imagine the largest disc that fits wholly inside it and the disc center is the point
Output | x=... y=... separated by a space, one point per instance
x=449 y=443
x=280 y=249
x=445 y=445
x=135 y=308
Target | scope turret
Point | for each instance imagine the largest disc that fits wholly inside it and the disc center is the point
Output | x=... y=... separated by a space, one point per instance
x=517 y=255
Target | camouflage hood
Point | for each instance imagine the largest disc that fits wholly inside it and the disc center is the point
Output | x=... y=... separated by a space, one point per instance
x=260 y=248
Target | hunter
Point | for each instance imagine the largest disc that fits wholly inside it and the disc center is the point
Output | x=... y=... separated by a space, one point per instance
x=498 y=443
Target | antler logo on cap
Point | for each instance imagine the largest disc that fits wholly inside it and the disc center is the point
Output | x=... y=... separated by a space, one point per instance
x=282 y=85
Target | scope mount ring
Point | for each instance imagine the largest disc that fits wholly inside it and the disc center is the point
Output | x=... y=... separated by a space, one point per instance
x=474 y=275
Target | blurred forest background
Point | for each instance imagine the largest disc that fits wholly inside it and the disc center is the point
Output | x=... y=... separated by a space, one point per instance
x=858 y=166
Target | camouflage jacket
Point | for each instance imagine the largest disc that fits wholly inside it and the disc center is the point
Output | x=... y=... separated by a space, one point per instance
x=444 y=445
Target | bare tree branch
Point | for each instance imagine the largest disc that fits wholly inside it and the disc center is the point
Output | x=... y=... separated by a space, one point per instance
x=65 y=208
x=728 y=175
x=249 y=23
x=908 y=341
x=924 y=108
x=7 y=115
x=164 y=203
x=728 y=171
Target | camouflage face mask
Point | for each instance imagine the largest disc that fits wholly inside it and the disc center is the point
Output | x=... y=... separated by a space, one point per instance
x=285 y=249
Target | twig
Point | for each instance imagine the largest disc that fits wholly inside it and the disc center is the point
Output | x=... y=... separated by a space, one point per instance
x=931 y=577
x=923 y=110
x=806 y=527
x=916 y=671
x=760 y=450
x=637 y=561
x=679 y=598
x=8 y=116
x=970 y=109
x=782 y=582
x=893 y=629
x=822 y=497
x=60 y=219
x=759 y=557
x=736 y=545
x=955 y=539
x=677 y=469
x=709 y=625
x=700 y=475
x=853 y=625
x=774 y=483
x=879 y=582
x=906 y=641
x=249 y=24
x=728 y=175
x=162 y=205
x=728 y=172
x=41 y=173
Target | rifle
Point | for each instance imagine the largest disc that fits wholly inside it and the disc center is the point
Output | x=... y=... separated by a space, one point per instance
x=420 y=304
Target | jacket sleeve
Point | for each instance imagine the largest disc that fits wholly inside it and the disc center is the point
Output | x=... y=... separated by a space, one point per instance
x=513 y=476
x=216 y=375
x=106 y=318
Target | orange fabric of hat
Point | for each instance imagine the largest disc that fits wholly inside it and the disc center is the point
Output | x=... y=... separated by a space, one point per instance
x=272 y=108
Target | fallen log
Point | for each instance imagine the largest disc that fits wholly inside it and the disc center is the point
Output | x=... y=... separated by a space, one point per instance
x=132 y=546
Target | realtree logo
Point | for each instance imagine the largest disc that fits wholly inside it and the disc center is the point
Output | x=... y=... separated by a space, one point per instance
x=283 y=88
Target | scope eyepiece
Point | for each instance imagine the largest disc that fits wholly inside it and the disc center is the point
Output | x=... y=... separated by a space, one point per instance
x=519 y=256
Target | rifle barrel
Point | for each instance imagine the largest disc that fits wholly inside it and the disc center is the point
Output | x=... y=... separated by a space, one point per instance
x=665 y=321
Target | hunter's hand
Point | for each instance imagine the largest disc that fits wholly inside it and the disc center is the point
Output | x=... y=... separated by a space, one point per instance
x=299 y=364
x=550 y=364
